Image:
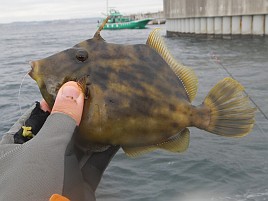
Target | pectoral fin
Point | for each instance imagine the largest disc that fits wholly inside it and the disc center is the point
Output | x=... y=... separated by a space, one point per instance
x=178 y=143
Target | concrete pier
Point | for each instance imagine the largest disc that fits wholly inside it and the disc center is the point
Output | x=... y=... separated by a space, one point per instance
x=157 y=17
x=217 y=17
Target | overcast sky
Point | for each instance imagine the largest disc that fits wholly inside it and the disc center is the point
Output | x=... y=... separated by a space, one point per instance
x=33 y=10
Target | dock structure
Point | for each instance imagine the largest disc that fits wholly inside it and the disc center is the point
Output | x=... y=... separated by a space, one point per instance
x=219 y=18
x=157 y=17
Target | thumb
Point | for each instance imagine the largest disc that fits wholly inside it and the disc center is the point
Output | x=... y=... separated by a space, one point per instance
x=70 y=101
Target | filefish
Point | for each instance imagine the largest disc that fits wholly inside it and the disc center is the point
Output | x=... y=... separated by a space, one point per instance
x=139 y=97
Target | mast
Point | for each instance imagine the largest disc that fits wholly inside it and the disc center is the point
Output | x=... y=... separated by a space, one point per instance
x=107 y=11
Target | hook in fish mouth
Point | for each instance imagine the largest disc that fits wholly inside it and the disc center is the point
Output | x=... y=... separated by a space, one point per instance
x=84 y=83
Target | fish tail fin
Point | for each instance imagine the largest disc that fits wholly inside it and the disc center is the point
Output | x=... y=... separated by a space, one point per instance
x=231 y=114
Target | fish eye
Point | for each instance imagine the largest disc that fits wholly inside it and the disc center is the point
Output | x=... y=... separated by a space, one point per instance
x=81 y=55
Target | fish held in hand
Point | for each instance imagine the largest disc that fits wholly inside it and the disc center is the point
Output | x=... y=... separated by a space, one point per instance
x=139 y=96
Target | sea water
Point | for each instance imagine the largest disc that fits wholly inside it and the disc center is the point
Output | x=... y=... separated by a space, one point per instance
x=213 y=168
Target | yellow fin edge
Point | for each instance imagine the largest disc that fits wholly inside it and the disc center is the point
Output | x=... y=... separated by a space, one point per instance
x=178 y=143
x=185 y=74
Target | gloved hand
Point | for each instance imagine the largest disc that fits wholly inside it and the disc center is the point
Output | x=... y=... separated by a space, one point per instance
x=49 y=163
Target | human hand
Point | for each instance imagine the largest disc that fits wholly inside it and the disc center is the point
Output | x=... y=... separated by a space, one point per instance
x=30 y=125
x=48 y=163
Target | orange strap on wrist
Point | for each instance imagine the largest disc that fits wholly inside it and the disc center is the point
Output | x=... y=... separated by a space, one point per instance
x=57 y=197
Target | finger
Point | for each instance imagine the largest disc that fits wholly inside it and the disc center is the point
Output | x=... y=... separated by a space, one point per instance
x=70 y=101
x=44 y=106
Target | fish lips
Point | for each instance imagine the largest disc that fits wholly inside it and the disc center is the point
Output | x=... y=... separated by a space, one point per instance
x=31 y=72
x=34 y=72
x=35 y=75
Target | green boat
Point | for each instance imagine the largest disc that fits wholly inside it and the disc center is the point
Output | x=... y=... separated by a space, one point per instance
x=118 y=21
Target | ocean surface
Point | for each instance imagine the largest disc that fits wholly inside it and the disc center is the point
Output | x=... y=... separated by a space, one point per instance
x=213 y=168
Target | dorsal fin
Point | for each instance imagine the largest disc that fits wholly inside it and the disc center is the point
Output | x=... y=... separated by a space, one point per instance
x=97 y=34
x=185 y=74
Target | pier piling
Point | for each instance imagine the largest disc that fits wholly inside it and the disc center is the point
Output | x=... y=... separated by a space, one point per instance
x=217 y=17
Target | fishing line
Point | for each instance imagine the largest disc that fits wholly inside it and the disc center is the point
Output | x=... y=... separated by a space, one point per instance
x=218 y=61
x=260 y=128
x=20 y=91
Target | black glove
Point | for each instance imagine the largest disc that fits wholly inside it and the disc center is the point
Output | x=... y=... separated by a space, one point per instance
x=32 y=125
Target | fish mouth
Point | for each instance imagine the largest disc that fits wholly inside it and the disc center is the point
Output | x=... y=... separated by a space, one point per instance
x=31 y=72
x=84 y=85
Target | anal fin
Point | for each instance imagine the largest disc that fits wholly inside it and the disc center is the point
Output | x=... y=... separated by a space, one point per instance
x=178 y=143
